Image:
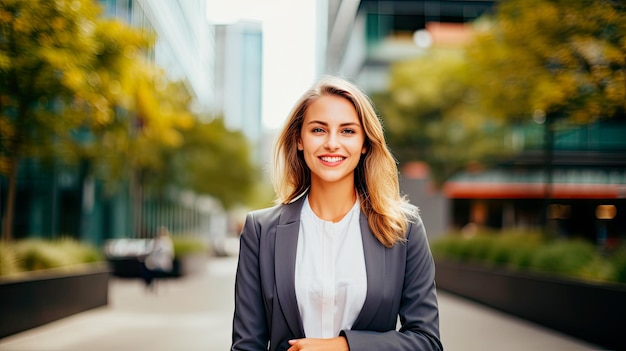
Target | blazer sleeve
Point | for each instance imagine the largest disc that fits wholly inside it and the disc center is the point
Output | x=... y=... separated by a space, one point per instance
x=419 y=314
x=250 y=329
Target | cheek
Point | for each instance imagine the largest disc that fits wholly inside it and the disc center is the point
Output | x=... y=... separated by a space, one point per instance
x=361 y=146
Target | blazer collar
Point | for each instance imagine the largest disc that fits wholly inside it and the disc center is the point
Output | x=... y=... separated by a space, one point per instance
x=285 y=267
x=291 y=211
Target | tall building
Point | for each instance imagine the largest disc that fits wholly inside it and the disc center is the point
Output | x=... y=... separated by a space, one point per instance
x=238 y=77
x=365 y=36
x=185 y=45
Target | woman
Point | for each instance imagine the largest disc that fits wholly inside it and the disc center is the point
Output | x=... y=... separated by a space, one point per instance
x=160 y=260
x=342 y=256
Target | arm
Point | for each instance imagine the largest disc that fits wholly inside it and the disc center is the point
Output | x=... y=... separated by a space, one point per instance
x=418 y=312
x=250 y=330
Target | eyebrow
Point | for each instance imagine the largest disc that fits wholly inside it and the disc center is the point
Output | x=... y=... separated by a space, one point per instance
x=341 y=125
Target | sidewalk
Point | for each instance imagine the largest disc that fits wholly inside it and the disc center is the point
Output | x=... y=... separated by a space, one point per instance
x=195 y=313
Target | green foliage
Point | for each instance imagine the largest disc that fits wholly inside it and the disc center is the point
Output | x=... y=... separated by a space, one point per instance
x=446 y=247
x=215 y=161
x=515 y=249
x=430 y=111
x=147 y=133
x=61 y=73
x=60 y=67
x=38 y=254
x=532 y=251
x=524 y=60
x=187 y=245
x=563 y=256
x=510 y=248
x=262 y=194
x=618 y=260
x=171 y=147
x=8 y=260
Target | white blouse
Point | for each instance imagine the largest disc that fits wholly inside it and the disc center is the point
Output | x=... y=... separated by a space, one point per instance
x=331 y=281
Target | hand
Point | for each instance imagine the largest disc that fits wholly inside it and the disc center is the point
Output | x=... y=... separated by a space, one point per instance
x=310 y=344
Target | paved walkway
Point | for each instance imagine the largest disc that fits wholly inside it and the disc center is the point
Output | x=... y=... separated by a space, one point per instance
x=194 y=314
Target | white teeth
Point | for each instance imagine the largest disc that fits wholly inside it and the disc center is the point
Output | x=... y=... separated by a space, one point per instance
x=331 y=159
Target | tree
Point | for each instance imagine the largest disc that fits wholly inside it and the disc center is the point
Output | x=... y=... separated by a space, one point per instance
x=430 y=114
x=554 y=57
x=56 y=77
x=216 y=162
x=133 y=149
x=162 y=144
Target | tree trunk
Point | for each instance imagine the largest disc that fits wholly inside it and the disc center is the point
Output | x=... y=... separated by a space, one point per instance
x=137 y=199
x=7 y=227
x=549 y=156
x=549 y=169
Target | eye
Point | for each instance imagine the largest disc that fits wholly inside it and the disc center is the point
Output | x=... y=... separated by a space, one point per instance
x=317 y=130
x=348 y=131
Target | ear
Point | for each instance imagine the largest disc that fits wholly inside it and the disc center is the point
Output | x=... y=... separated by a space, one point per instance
x=300 y=147
x=364 y=149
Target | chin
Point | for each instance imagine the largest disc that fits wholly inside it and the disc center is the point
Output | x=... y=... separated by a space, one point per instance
x=328 y=179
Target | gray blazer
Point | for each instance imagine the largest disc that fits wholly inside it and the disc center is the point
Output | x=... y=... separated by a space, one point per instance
x=400 y=283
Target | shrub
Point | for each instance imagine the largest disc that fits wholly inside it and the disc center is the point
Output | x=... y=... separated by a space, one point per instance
x=563 y=256
x=618 y=261
x=514 y=249
x=599 y=269
x=186 y=245
x=447 y=247
x=532 y=250
x=37 y=254
x=8 y=260
x=478 y=247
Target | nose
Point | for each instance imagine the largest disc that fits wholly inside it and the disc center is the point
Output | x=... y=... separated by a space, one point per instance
x=331 y=142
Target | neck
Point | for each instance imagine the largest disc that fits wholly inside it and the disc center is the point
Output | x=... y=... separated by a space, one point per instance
x=331 y=202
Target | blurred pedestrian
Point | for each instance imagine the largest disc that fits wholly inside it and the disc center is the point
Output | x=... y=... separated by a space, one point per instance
x=343 y=255
x=160 y=259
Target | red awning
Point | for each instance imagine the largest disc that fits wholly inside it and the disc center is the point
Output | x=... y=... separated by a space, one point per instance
x=480 y=190
x=578 y=184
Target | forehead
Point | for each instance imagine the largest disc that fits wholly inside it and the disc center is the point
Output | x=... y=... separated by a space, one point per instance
x=331 y=108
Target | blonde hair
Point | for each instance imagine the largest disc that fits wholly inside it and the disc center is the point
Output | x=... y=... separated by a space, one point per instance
x=375 y=177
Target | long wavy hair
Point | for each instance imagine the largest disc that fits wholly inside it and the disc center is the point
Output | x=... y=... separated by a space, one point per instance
x=375 y=177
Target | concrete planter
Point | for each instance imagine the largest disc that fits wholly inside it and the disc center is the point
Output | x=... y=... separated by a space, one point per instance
x=587 y=311
x=32 y=299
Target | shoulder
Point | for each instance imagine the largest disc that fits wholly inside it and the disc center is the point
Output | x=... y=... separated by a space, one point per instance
x=416 y=228
x=267 y=215
x=279 y=214
x=415 y=231
x=413 y=219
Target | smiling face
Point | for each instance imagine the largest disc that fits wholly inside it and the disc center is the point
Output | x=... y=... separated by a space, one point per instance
x=332 y=140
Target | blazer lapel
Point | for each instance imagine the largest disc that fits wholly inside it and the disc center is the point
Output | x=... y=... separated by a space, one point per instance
x=285 y=265
x=374 y=253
